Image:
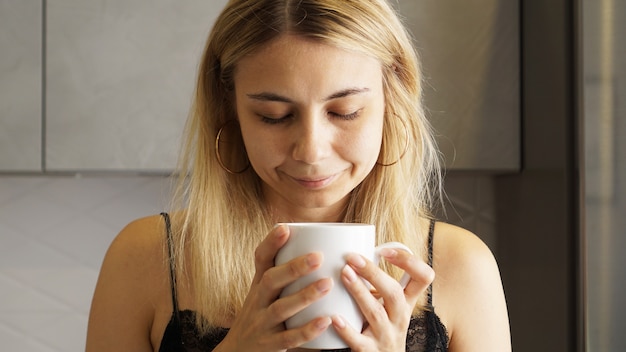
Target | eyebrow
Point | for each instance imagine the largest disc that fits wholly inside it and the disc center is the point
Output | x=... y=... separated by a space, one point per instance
x=267 y=96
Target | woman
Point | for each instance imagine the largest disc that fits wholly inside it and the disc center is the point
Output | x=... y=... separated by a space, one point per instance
x=305 y=111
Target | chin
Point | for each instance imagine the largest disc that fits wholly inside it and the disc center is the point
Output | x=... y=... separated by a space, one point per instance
x=318 y=203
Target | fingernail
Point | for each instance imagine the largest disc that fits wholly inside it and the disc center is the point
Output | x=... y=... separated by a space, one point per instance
x=313 y=259
x=323 y=323
x=339 y=322
x=348 y=273
x=324 y=285
x=356 y=260
x=388 y=253
x=280 y=229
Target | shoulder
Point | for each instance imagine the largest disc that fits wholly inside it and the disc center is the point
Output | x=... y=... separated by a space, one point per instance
x=130 y=285
x=467 y=291
x=140 y=237
x=460 y=248
x=137 y=249
x=463 y=263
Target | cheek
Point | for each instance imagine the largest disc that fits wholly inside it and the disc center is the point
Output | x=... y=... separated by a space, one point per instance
x=263 y=151
x=373 y=145
x=365 y=145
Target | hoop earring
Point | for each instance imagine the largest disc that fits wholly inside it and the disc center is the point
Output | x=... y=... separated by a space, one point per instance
x=406 y=146
x=219 y=157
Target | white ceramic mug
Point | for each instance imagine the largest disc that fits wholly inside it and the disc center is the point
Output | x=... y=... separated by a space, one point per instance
x=335 y=241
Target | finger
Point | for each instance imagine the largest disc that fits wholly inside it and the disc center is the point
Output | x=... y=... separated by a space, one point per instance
x=284 y=308
x=267 y=249
x=421 y=274
x=373 y=311
x=348 y=333
x=384 y=286
x=293 y=338
x=275 y=279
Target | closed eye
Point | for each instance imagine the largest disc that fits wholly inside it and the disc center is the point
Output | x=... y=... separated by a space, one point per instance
x=350 y=116
x=278 y=120
x=275 y=120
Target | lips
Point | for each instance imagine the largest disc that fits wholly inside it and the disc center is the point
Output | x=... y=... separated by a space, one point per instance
x=315 y=182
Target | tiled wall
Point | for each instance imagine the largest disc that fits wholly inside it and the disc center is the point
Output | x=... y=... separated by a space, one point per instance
x=84 y=83
x=106 y=84
x=20 y=85
x=54 y=232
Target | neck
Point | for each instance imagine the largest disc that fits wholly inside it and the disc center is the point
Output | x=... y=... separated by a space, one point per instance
x=326 y=214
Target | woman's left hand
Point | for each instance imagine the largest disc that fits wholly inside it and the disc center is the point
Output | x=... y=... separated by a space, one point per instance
x=388 y=313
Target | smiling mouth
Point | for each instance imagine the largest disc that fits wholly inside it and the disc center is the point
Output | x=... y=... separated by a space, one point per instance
x=315 y=182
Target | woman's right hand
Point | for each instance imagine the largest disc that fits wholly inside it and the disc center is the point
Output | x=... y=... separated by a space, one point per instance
x=260 y=324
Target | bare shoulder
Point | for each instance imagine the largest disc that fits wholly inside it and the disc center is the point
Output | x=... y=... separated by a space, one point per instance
x=462 y=249
x=467 y=292
x=137 y=250
x=140 y=238
x=130 y=286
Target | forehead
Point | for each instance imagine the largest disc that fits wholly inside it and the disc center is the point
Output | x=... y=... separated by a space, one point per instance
x=295 y=61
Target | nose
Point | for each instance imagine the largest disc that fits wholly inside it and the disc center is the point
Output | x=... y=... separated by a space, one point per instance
x=312 y=140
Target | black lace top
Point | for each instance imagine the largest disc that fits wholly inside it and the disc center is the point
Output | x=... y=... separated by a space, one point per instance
x=426 y=332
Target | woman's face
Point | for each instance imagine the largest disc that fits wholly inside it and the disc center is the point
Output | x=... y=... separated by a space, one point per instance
x=311 y=117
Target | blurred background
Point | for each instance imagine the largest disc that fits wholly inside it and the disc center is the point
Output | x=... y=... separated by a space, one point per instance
x=528 y=99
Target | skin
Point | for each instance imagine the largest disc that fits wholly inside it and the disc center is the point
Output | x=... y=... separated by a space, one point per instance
x=309 y=115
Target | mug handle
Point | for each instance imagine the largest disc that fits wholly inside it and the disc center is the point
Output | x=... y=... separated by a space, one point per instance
x=404 y=280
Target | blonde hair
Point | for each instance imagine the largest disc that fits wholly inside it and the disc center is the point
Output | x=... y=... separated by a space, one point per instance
x=225 y=217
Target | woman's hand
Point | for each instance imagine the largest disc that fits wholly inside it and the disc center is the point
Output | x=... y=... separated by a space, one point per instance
x=388 y=312
x=260 y=324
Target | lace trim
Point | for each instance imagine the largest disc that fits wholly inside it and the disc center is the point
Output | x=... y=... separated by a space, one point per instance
x=426 y=333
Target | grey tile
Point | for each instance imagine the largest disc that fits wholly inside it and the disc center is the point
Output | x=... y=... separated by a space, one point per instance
x=20 y=86
x=84 y=239
x=54 y=232
x=33 y=215
x=12 y=187
x=147 y=199
x=120 y=75
x=15 y=340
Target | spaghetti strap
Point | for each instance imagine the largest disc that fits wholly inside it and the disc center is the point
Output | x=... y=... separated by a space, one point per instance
x=170 y=250
x=431 y=235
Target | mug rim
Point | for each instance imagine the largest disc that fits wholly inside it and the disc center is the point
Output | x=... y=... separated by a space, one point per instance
x=325 y=224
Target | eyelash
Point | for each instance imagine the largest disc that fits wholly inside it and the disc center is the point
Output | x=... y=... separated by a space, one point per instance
x=350 y=116
x=273 y=121
x=347 y=117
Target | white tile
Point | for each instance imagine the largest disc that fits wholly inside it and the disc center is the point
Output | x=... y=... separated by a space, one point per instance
x=83 y=239
x=79 y=193
x=148 y=199
x=18 y=250
x=36 y=272
x=19 y=297
x=54 y=232
x=17 y=341
x=32 y=214
x=65 y=331
x=69 y=287
x=27 y=322
x=13 y=186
